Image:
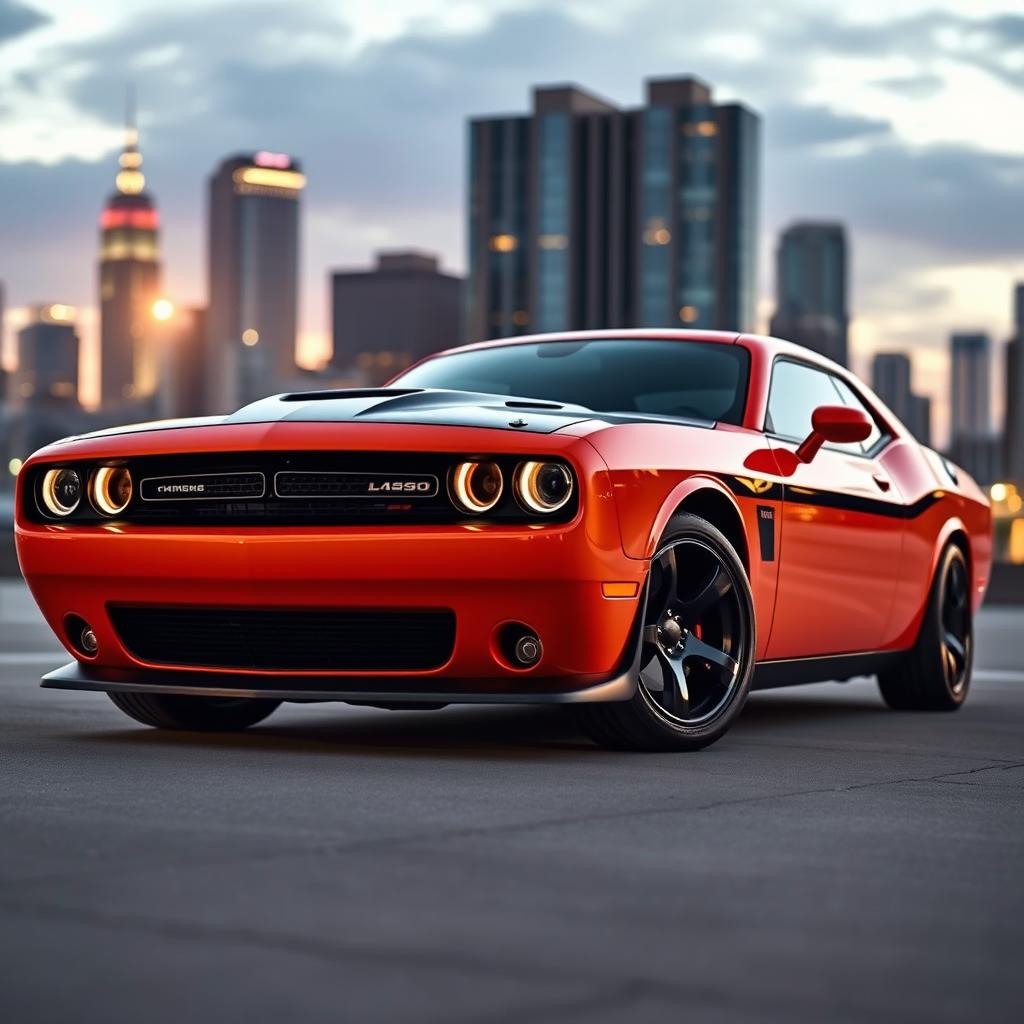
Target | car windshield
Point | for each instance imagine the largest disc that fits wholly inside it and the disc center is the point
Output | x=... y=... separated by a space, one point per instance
x=691 y=379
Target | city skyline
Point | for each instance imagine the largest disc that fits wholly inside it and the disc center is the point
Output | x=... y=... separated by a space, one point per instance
x=890 y=103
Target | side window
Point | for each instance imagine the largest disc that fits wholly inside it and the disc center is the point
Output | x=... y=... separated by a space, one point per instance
x=849 y=397
x=797 y=390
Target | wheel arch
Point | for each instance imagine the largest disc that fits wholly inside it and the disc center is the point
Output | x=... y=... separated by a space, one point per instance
x=709 y=499
x=953 y=532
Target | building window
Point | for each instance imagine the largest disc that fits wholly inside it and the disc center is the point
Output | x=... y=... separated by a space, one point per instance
x=504 y=243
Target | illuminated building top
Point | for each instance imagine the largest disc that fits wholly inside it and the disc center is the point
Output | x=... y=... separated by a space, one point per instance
x=129 y=221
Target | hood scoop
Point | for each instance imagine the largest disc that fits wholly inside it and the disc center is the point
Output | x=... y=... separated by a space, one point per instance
x=414 y=405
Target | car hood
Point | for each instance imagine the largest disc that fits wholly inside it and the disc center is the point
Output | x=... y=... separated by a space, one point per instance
x=429 y=407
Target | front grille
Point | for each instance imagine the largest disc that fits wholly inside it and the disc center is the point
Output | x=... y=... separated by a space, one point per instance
x=354 y=485
x=287 y=640
x=203 y=487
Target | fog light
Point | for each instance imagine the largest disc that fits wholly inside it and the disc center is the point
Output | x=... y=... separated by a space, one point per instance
x=527 y=650
x=81 y=636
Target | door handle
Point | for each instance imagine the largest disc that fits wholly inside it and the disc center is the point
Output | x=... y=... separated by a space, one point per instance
x=882 y=481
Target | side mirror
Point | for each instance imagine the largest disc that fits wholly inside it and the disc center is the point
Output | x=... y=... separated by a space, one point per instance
x=836 y=423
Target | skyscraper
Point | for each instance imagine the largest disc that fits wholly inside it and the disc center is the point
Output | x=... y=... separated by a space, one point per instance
x=891 y=379
x=253 y=259
x=583 y=215
x=388 y=317
x=129 y=273
x=970 y=385
x=47 y=374
x=1013 y=441
x=972 y=443
x=811 y=288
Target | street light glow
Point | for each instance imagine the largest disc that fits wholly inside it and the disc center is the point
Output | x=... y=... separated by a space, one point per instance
x=163 y=309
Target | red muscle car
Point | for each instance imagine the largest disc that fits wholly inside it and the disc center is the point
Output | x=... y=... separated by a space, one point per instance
x=640 y=524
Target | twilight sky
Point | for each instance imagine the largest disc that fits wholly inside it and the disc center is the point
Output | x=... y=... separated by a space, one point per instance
x=902 y=118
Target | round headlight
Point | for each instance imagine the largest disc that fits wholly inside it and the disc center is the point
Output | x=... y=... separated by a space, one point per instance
x=61 y=491
x=111 y=489
x=543 y=487
x=476 y=486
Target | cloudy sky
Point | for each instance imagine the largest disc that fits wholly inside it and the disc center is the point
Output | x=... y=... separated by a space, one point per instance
x=902 y=118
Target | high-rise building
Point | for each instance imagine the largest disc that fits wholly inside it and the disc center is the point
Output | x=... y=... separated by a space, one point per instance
x=47 y=373
x=1013 y=439
x=811 y=289
x=891 y=380
x=388 y=317
x=182 y=389
x=583 y=215
x=970 y=385
x=129 y=273
x=253 y=261
x=919 y=418
x=972 y=443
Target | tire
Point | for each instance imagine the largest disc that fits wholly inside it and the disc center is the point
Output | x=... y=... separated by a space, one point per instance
x=199 y=714
x=935 y=675
x=714 y=613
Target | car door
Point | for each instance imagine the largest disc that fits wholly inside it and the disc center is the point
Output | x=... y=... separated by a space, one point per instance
x=842 y=526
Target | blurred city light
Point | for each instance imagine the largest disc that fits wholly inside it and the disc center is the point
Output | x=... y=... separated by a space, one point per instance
x=14 y=466
x=250 y=336
x=163 y=309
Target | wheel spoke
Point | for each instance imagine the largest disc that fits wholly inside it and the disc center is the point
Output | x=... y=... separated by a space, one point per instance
x=668 y=586
x=676 y=694
x=690 y=611
x=726 y=667
x=955 y=647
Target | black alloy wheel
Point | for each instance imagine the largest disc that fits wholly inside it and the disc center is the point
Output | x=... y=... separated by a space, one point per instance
x=697 y=647
x=935 y=674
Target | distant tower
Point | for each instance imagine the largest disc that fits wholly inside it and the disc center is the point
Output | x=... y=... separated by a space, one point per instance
x=811 y=285
x=1014 y=433
x=129 y=279
x=253 y=260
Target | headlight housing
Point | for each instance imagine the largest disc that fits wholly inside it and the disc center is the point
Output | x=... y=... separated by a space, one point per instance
x=60 y=492
x=543 y=487
x=476 y=487
x=111 y=489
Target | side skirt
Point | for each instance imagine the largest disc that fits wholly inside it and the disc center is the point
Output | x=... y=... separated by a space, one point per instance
x=833 y=667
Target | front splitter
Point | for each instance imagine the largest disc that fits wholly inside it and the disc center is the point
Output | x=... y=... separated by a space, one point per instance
x=77 y=676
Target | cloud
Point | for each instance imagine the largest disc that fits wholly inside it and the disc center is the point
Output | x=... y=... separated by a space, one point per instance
x=818 y=125
x=380 y=128
x=16 y=19
x=917 y=87
x=994 y=44
x=951 y=200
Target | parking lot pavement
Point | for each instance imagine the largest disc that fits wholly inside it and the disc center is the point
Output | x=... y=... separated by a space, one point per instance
x=829 y=859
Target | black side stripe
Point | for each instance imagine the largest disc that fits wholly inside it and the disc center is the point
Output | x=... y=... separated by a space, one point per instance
x=748 y=487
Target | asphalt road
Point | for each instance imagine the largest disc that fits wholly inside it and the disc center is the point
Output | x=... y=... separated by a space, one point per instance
x=829 y=859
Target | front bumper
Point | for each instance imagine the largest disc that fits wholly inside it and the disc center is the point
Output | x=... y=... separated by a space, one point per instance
x=549 y=578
